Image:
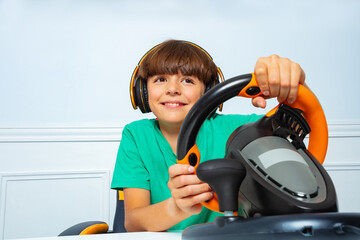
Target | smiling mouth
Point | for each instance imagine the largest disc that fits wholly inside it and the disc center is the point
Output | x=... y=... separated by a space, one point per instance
x=173 y=104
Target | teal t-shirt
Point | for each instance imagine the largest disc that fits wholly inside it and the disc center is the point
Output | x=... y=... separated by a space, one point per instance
x=144 y=157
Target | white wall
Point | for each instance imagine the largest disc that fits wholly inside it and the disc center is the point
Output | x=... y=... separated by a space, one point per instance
x=65 y=68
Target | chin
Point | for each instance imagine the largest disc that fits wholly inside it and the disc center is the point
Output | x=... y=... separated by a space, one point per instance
x=172 y=122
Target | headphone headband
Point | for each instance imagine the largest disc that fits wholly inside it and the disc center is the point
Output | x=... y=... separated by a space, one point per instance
x=138 y=88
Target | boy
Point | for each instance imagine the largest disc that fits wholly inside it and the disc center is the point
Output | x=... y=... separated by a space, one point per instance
x=160 y=194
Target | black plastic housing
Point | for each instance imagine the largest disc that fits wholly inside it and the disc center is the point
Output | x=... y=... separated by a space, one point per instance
x=320 y=226
x=224 y=176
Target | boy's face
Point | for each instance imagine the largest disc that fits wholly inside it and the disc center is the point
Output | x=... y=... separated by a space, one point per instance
x=172 y=96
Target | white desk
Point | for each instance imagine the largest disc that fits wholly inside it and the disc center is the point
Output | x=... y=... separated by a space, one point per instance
x=119 y=236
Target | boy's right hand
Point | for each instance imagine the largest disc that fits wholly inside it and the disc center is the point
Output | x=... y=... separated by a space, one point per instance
x=187 y=190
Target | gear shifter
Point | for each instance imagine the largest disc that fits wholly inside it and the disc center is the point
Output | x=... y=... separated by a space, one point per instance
x=225 y=177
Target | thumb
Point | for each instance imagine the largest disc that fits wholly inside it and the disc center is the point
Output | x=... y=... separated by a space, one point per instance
x=259 y=102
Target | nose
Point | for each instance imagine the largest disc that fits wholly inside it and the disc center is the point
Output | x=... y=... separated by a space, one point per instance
x=173 y=88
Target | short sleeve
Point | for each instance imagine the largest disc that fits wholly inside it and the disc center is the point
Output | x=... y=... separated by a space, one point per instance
x=130 y=170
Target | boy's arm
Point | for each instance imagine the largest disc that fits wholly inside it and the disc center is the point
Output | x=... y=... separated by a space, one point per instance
x=140 y=215
x=187 y=193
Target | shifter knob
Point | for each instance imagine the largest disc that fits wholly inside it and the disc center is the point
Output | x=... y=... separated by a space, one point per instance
x=225 y=177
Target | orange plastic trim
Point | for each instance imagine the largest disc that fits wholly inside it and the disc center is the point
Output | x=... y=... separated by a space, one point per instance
x=132 y=87
x=252 y=83
x=121 y=195
x=95 y=229
x=222 y=79
x=212 y=204
x=314 y=115
x=194 y=149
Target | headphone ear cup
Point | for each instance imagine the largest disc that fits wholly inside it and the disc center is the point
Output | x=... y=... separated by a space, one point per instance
x=211 y=85
x=208 y=87
x=141 y=95
x=145 y=97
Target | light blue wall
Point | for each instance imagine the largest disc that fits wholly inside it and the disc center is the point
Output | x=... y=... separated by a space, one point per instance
x=70 y=62
x=65 y=68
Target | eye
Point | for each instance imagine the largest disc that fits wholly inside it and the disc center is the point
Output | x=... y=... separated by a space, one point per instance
x=159 y=79
x=188 y=80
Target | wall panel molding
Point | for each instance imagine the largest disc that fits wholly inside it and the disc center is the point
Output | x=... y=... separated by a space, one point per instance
x=344 y=129
x=60 y=134
x=342 y=167
x=8 y=181
x=337 y=129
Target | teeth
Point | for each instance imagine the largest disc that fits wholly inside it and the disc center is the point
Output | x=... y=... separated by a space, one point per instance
x=172 y=104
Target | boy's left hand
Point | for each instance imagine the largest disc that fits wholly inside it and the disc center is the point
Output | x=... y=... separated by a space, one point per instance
x=277 y=77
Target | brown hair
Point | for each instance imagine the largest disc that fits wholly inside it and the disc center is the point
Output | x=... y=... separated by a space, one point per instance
x=173 y=56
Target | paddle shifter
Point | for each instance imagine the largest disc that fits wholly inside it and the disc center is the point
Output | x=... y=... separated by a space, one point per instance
x=225 y=177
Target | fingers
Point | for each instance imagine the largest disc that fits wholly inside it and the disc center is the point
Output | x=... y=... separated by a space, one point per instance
x=191 y=190
x=184 y=182
x=187 y=189
x=284 y=79
x=192 y=204
x=261 y=73
x=181 y=175
x=296 y=78
x=278 y=77
x=180 y=169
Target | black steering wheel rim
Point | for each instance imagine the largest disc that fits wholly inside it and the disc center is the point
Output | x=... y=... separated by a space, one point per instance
x=204 y=107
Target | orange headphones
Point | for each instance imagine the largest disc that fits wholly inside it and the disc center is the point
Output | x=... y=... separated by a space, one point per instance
x=138 y=86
